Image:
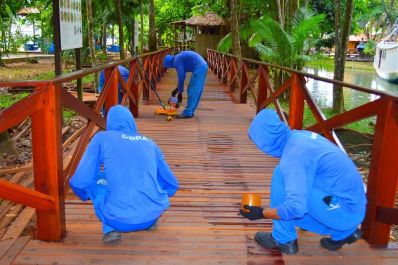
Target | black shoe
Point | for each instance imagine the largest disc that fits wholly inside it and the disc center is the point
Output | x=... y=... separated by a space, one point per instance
x=112 y=238
x=183 y=116
x=267 y=241
x=333 y=245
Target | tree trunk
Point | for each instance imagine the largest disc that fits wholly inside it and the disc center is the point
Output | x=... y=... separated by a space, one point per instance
x=281 y=12
x=120 y=24
x=103 y=30
x=236 y=49
x=132 y=36
x=342 y=31
x=91 y=39
x=141 y=47
x=152 y=27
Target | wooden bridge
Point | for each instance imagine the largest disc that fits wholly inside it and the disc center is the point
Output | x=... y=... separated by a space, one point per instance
x=213 y=159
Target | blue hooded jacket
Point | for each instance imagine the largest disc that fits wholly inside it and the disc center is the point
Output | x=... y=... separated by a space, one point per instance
x=139 y=180
x=307 y=161
x=123 y=72
x=184 y=62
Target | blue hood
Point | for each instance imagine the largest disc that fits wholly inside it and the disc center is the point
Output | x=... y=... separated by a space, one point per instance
x=269 y=133
x=120 y=119
x=168 y=61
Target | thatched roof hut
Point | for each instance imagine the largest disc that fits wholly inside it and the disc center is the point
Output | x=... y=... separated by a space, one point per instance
x=208 y=20
x=208 y=30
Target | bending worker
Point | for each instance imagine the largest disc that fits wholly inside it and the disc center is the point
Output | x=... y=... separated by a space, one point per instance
x=133 y=188
x=187 y=61
x=315 y=187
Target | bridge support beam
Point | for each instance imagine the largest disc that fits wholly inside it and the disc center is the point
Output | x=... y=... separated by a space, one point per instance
x=48 y=166
x=383 y=175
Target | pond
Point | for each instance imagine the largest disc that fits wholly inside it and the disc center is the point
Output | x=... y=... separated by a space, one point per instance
x=323 y=92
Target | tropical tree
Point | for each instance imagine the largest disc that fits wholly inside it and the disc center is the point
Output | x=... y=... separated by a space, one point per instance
x=275 y=45
x=343 y=16
x=152 y=27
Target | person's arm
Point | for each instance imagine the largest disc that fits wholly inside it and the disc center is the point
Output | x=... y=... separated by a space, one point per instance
x=166 y=178
x=298 y=171
x=181 y=78
x=87 y=171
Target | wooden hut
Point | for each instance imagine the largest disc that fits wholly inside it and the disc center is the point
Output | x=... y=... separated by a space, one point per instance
x=208 y=30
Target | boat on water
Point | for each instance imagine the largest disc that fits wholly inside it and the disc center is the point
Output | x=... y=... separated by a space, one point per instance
x=386 y=57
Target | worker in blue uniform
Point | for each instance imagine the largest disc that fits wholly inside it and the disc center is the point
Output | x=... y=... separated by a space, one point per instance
x=126 y=177
x=315 y=186
x=124 y=73
x=184 y=62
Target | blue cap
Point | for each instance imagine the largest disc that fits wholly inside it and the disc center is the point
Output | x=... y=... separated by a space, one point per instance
x=168 y=61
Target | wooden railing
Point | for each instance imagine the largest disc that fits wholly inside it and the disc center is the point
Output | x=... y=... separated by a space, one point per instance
x=383 y=174
x=44 y=107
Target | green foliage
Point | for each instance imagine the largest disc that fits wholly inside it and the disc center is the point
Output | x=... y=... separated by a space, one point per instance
x=7 y=100
x=370 y=47
x=68 y=115
x=283 y=48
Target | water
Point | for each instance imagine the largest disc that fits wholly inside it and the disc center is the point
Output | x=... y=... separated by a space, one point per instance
x=323 y=92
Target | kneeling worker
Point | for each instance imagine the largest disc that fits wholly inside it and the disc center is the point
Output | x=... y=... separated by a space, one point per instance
x=187 y=61
x=133 y=189
x=315 y=186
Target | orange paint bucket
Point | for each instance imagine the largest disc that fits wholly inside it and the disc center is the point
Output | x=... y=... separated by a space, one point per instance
x=251 y=199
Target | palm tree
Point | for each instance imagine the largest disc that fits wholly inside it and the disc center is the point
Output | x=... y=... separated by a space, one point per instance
x=289 y=49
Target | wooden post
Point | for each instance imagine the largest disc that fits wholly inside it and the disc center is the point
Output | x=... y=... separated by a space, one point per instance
x=113 y=95
x=232 y=72
x=47 y=165
x=383 y=175
x=146 y=84
x=262 y=90
x=225 y=69
x=57 y=38
x=134 y=89
x=78 y=67
x=296 y=110
x=244 y=79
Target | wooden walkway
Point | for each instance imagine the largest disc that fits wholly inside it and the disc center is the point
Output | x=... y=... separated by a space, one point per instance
x=215 y=163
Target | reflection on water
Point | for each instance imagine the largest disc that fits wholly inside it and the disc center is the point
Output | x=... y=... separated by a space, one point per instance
x=323 y=92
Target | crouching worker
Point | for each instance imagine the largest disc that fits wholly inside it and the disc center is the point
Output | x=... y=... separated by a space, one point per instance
x=315 y=187
x=132 y=190
x=184 y=62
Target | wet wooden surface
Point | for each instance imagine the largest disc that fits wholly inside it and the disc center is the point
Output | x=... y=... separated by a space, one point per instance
x=215 y=163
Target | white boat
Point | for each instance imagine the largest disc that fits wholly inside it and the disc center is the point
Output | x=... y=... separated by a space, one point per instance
x=386 y=57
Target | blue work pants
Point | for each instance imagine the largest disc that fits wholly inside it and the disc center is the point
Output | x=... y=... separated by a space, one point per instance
x=195 y=89
x=336 y=221
x=97 y=193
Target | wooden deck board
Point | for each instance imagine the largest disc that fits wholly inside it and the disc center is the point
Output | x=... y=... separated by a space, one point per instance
x=215 y=163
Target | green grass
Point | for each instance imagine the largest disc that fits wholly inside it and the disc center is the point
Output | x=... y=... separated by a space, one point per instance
x=8 y=100
x=68 y=115
x=328 y=64
x=45 y=76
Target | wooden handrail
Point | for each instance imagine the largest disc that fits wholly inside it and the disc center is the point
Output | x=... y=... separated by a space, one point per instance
x=315 y=77
x=383 y=174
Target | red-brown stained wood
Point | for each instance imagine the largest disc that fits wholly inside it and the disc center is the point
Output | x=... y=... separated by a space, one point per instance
x=113 y=94
x=23 y=108
x=383 y=175
x=47 y=165
x=296 y=110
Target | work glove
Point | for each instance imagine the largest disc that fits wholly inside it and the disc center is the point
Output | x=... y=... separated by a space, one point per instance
x=173 y=101
x=254 y=212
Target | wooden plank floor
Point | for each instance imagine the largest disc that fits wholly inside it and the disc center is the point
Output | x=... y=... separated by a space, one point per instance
x=215 y=162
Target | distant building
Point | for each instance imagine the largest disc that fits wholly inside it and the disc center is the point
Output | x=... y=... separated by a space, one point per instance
x=354 y=41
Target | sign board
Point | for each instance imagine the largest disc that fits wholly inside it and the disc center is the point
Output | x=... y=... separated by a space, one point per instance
x=70 y=16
